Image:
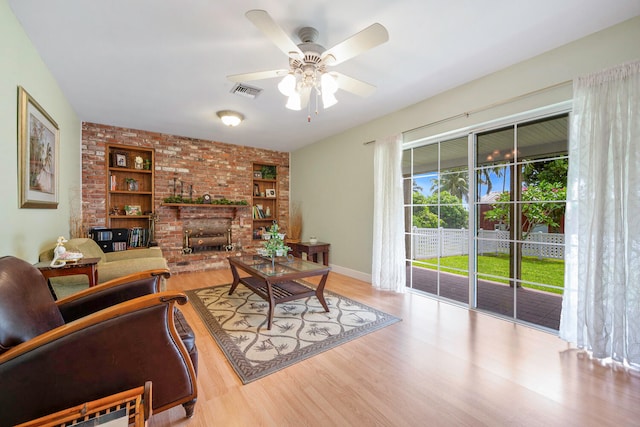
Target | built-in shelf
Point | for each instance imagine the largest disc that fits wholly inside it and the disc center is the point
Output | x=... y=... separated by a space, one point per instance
x=264 y=198
x=130 y=192
x=130 y=186
x=142 y=171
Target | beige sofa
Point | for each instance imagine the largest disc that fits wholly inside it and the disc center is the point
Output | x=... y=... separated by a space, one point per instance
x=112 y=265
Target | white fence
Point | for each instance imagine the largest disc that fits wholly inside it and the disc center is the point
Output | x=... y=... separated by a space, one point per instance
x=434 y=242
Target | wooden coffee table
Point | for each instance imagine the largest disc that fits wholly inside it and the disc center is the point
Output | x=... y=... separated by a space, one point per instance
x=280 y=281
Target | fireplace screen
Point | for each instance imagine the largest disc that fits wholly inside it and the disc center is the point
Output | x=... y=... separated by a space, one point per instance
x=207 y=237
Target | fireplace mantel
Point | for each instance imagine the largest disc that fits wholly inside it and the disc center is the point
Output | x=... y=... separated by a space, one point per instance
x=179 y=206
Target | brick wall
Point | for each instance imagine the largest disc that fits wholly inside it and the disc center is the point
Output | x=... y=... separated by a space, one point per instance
x=222 y=170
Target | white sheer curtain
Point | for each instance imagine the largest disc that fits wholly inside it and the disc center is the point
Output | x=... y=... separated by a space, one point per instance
x=601 y=304
x=388 y=266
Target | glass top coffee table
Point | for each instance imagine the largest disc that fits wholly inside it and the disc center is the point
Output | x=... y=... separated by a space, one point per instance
x=280 y=281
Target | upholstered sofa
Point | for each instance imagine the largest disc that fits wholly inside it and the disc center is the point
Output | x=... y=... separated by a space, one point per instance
x=112 y=265
x=93 y=344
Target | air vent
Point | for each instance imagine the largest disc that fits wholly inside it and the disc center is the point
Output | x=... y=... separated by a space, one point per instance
x=246 y=91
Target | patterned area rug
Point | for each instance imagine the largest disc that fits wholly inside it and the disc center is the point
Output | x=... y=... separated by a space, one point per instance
x=300 y=328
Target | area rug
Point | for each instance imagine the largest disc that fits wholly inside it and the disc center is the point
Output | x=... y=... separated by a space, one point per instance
x=300 y=328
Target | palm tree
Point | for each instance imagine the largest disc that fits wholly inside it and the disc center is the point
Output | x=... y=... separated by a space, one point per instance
x=456 y=183
x=485 y=176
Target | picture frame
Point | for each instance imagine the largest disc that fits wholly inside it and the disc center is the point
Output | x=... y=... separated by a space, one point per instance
x=257 y=175
x=39 y=154
x=119 y=159
x=132 y=210
x=256 y=190
x=270 y=192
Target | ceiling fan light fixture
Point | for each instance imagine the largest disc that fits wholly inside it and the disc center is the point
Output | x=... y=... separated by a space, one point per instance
x=294 y=102
x=287 y=85
x=308 y=60
x=230 y=118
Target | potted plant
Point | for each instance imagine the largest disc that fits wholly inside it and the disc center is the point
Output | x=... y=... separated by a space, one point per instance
x=274 y=242
x=132 y=184
x=268 y=172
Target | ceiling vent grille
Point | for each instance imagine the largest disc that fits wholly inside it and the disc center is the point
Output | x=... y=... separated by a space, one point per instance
x=246 y=90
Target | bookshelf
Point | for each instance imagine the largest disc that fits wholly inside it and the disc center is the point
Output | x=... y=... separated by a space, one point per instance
x=265 y=194
x=130 y=190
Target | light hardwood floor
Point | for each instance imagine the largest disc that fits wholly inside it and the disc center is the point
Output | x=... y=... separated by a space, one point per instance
x=441 y=366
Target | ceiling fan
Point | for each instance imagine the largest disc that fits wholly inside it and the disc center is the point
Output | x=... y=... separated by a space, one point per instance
x=308 y=73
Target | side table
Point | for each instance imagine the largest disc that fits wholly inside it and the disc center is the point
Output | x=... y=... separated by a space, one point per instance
x=86 y=266
x=312 y=250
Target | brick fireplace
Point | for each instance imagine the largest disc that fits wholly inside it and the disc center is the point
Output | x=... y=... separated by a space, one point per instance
x=215 y=168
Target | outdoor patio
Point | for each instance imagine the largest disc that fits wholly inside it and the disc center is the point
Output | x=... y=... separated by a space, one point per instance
x=533 y=306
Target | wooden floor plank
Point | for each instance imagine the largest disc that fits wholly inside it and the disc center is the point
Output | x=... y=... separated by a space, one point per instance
x=441 y=365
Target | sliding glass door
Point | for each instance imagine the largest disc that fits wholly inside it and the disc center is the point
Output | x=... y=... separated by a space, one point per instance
x=437 y=209
x=504 y=222
x=521 y=176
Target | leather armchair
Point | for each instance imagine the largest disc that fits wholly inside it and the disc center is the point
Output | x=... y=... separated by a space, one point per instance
x=101 y=341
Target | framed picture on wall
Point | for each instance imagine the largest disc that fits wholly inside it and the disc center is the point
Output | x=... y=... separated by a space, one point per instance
x=38 y=152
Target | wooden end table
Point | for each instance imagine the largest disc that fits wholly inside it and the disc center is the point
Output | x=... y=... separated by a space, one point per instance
x=86 y=266
x=312 y=250
x=280 y=281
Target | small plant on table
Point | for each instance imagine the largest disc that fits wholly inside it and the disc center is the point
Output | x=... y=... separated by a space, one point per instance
x=274 y=242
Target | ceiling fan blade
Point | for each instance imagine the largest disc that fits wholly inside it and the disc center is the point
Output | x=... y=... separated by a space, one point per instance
x=352 y=85
x=263 y=21
x=366 y=39
x=258 y=75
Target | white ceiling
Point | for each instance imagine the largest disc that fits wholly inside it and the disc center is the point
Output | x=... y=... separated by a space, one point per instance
x=161 y=65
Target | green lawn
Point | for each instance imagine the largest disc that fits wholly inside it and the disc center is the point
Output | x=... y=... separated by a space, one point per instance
x=543 y=271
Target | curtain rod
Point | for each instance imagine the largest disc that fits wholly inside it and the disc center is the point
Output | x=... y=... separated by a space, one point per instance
x=486 y=107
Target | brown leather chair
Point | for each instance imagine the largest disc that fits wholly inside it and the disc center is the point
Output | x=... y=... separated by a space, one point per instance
x=101 y=341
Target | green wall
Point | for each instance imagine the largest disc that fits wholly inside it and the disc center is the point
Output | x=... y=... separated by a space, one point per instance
x=333 y=178
x=25 y=232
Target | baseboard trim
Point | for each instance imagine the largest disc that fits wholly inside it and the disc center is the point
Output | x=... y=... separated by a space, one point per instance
x=365 y=277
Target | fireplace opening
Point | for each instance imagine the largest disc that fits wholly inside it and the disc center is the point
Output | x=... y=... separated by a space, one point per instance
x=207 y=235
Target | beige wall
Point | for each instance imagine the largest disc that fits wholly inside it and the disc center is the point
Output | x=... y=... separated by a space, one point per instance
x=24 y=232
x=333 y=178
